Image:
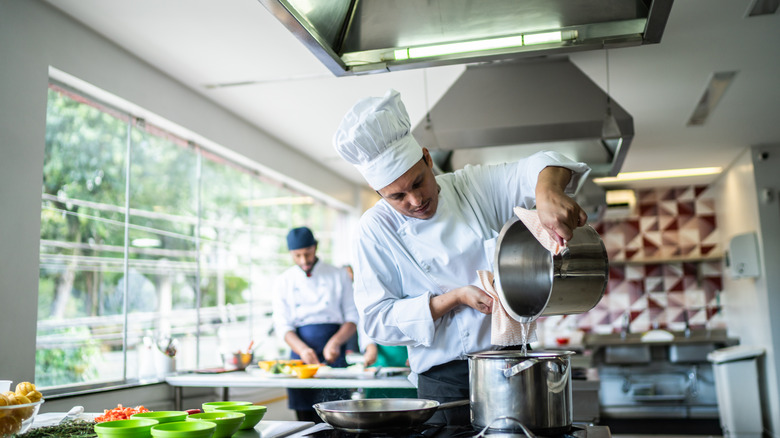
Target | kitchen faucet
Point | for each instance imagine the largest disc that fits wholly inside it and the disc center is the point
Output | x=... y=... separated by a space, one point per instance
x=626 y=325
x=687 y=324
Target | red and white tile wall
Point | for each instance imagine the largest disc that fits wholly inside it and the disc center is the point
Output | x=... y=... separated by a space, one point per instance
x=663 y=263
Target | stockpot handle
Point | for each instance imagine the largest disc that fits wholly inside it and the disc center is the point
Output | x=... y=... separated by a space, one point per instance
x=520 y=367
x=527 y=432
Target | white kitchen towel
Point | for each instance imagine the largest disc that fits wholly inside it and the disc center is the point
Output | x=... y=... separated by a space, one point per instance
x=530 y=219
x=505 y=330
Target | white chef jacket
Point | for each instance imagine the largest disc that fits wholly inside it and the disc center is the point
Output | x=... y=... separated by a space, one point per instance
x=401 y=262
x=325 y=297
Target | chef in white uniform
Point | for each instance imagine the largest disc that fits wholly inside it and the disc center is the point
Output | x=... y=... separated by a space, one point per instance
x=315 y=314
x=418 y=250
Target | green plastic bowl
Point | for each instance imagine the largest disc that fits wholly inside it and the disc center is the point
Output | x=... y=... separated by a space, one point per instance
x=253 y=414
x=210 y=406
x=132 y=428
x=162 y=416
x=184 y=429
x=227 y=422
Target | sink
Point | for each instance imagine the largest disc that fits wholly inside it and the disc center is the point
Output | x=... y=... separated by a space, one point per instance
x=627 y=354
x=690 y=352
x=717 y=337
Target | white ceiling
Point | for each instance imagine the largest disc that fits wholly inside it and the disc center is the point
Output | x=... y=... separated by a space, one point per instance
x=295 y=99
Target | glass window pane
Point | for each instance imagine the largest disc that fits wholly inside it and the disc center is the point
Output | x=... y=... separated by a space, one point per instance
x=82 y=240
x=206 y=239
x=162 y=299
x=225 y=247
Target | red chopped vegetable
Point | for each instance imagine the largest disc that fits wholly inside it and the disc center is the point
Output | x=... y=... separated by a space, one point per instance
x=119 y=413
x=193 y=411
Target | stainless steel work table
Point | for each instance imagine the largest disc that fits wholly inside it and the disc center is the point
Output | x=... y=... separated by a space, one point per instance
x=242 y=379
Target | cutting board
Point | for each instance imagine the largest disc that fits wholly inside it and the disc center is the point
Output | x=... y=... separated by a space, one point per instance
x=274 y=429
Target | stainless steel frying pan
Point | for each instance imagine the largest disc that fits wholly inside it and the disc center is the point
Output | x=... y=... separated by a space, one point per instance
x=372 y=414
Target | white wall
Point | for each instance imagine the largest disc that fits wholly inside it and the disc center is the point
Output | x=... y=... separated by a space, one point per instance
x=751 y=306
x=34 y=36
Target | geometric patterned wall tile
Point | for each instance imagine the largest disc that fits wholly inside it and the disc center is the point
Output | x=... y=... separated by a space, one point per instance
x=668 y=223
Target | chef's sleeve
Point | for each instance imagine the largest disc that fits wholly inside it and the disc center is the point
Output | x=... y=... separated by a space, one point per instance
x=389 y=314
x=282 y=309
x=348 y=309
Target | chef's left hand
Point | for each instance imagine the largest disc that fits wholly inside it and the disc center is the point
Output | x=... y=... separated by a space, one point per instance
x=558 y=213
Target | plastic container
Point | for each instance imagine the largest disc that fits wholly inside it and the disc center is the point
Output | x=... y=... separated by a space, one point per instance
x=736 y=383
x=227 y=422
x=132 y=428
x=162 y=416
x=210 y=406
x=184 y=429
x=252 y=414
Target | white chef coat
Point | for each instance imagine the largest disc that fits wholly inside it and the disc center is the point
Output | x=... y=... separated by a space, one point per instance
x=401 y=262
x=325 y=297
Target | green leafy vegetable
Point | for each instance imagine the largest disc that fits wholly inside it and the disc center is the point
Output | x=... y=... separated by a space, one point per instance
x=78 y=428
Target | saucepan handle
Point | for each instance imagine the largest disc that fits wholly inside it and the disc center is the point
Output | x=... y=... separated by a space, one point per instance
x=527 y=432
x=520 y=367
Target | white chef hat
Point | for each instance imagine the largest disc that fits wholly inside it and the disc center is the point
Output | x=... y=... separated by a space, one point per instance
x=375 y=136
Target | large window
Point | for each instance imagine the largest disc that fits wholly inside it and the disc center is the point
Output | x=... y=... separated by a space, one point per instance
x=153 y=247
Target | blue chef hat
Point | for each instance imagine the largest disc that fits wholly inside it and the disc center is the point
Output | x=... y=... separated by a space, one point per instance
x=300 y=237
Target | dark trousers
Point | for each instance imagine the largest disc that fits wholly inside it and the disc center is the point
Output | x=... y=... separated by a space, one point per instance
x=302 y=400
x=446 y=383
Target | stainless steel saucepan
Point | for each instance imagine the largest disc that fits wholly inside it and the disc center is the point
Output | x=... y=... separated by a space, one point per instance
x=372 y=414
x=531 y=282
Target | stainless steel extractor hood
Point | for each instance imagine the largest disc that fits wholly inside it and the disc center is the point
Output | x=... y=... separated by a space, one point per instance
x=373 y=36
x=502 y=111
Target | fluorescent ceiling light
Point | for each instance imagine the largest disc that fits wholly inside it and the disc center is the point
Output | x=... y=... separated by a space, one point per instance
x=658 y=174
x=463 y=47
x=716 y=86
x=621 y=197
x=543 y=38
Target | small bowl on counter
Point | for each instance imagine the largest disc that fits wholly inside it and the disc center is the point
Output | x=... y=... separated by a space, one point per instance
x=211 y=406
x=306 y=371
x=161 y=416
x=132 y=428
x=184 y=429
x=252 y=414
x=17 y=419
x=227 y=422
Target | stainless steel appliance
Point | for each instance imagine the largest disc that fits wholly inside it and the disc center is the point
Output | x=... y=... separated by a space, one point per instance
x=661 y=379
x=533 y=282
x=534 y=388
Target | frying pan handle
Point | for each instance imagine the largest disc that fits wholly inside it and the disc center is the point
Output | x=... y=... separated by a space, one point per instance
x=453 y=404
x=527 y=432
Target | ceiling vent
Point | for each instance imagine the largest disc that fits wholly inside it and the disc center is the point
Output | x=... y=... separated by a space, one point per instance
x=504 y=111
x=374 y=36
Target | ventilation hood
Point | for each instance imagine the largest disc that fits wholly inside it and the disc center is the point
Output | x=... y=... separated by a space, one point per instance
x=503 y=111
x=374 y=36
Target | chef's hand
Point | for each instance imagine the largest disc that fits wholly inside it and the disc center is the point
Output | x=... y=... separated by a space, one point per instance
x=558 y=213
x=309 y=356
x=471 y=296
x=332 y=351
x=369 y=356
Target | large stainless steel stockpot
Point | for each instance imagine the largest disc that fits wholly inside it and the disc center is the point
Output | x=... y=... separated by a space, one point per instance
x=534 y=388
x=532 y=282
